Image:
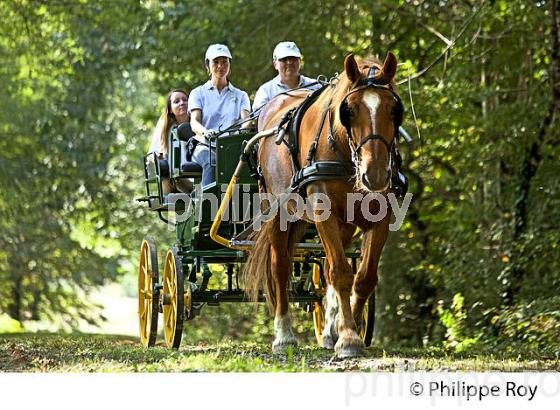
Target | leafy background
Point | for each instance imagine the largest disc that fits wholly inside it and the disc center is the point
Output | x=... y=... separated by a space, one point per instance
x=477 y=260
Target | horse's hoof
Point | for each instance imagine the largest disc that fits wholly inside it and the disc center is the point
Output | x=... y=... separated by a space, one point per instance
x=349 y=347
x=281 y=346
x=330 y=336
x=328 y=342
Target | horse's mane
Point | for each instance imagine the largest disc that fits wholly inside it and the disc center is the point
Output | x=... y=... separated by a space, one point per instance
x=332 y=100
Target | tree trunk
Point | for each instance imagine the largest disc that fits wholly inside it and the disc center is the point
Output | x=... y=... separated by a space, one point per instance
x=15 y=308
x=532 y=160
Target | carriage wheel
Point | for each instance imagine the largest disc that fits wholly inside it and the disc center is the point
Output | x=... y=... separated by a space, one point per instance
x=173 y=299
x=187 y=303
x=368 y=320
x=318 y=313
x=148 y=295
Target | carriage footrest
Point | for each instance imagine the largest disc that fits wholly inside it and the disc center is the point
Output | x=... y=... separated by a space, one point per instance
x=300 y=245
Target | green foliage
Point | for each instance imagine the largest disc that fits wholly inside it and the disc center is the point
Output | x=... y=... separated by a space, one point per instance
x=9 y=325
x=535 y=325
x=83 y=84
x=61 y=138
x=454 y=321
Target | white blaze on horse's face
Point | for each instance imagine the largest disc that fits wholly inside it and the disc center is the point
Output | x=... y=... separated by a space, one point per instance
x=372 y=100
x=374 y=167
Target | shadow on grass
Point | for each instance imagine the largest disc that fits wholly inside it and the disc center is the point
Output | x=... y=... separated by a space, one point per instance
x=77 y=352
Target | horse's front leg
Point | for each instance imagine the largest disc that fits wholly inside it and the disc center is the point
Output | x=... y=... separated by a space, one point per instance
x=281 y=264
x=366 y=278
x=334 y=236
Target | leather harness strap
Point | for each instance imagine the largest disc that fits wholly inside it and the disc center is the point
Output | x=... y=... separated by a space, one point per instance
x=343 y=168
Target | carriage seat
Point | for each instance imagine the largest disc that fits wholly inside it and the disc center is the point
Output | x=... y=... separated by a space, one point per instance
x=187 y=168
x=191 y=169
x=163 y=168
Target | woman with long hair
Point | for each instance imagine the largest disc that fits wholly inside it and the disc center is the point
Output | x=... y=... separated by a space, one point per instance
x=175 y=112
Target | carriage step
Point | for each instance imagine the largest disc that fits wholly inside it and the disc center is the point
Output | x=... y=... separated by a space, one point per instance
x=146 y=198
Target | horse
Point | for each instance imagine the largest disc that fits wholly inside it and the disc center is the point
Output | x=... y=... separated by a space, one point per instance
x=363 y=113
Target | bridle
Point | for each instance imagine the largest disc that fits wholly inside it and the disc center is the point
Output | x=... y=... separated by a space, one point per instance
x=344 y=111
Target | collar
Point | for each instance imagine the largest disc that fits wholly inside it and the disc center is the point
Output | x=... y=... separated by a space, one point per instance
x=209 y=86
x=281 y=84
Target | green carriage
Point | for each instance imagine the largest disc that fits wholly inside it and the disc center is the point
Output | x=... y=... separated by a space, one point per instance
x=213 y=226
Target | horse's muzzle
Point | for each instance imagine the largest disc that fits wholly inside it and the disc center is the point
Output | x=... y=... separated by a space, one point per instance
x=376 y=181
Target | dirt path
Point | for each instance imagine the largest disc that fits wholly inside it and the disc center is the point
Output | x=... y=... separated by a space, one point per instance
x=87 y=353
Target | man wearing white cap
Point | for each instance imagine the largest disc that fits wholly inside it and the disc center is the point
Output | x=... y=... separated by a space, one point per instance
x=286 y=60
x=215 y=105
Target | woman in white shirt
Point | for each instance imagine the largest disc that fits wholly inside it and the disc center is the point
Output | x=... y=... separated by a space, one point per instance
x=214 y=106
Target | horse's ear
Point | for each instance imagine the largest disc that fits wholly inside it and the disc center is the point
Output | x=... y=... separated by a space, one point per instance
x=351 y=68
x=389 y=69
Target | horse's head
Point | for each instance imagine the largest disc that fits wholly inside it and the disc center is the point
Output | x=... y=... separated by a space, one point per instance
x=370 y=112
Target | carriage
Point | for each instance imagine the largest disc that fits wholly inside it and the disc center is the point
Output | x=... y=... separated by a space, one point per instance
x=204 y=236
x=342 y=142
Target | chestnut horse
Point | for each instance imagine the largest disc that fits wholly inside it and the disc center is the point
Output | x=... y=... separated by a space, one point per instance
x=365 y=119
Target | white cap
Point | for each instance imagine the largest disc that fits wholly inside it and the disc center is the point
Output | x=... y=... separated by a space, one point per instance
x=217 y=50
x=286 y=49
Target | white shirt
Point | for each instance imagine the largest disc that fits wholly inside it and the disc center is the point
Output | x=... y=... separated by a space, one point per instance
x=219 y=110
x=272 y=88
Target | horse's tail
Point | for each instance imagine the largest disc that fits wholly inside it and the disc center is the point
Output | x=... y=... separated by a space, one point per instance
x=257 y=272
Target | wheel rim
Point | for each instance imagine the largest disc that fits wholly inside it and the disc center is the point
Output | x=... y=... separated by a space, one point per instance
x=318 y=322
x=147 y=298
x=187 y=302
x=318 y=315
x=364 y=321
x=173 y=299
x=368 y=320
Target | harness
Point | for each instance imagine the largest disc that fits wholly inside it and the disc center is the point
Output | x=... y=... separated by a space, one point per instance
x=346 y=113
x=313 y=170
x=342 y=168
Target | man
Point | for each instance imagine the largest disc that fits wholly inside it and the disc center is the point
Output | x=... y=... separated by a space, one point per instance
x=286 y=59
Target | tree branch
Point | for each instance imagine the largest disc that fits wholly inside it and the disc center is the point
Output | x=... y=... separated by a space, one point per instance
x=449 y=46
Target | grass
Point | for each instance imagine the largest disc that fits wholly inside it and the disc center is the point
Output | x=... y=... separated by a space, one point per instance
x=108 y=353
